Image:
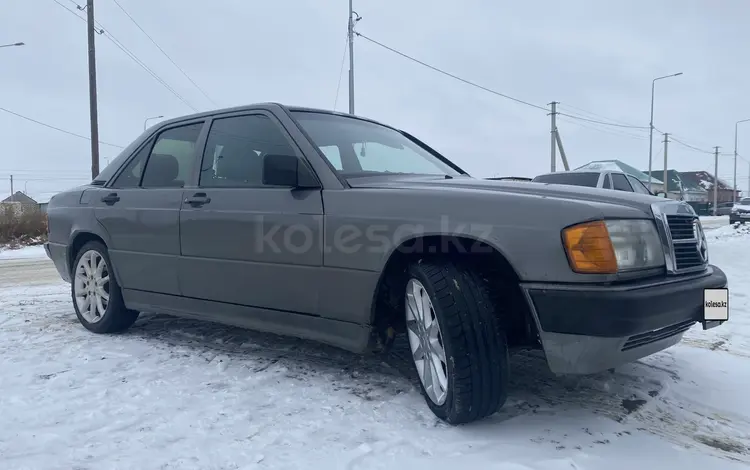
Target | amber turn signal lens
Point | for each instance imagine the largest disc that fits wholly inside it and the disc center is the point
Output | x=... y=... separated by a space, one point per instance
x=589 y=248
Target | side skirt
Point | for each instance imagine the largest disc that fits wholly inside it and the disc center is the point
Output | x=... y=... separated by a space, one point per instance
x=349 y=336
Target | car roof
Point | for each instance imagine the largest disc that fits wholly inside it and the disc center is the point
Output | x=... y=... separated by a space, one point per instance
x=569 y=172
x=267 y=105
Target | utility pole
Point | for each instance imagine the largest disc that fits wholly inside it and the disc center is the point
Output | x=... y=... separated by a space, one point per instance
x=351 y=58
x=716 y=178
x=92 y=90
x=734 y=194
x=553 y=138
x=11 y=188
x=666 y=144
x=562 y=150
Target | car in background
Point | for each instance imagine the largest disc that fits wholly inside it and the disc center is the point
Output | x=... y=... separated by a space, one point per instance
x=605 y=179
x=509 y=178
x=724 y=208
x=740 y=212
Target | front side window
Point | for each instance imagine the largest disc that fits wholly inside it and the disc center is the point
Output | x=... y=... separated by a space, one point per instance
x=357 y=148
x=620 y=182
x=235 y=149
x=171 y=159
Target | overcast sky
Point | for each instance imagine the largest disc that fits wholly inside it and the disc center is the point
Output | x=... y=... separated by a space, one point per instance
x=593 y=56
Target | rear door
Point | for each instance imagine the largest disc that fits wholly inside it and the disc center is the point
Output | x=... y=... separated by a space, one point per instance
x=140 y=210
x=245 y=242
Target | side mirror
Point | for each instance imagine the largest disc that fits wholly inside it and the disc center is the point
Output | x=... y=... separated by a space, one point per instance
x=660 y=194
x=287 y=170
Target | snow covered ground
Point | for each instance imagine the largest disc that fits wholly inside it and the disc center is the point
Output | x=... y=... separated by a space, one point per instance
x=36 y=251
x=710 y=221
x=179 y=394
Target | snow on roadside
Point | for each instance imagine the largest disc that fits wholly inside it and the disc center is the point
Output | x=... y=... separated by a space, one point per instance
x=27 y=252
x=741 y=231
x=180 y=394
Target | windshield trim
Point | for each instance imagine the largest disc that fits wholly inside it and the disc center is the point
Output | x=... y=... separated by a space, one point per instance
x=342 y=176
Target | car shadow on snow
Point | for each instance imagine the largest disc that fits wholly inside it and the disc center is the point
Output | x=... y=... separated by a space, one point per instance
x=533 y=388
x=631 y=395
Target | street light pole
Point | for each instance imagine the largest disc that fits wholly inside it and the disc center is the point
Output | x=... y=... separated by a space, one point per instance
x=15 y=44
x=651 y=129
x=734 y=193
x=148 y=119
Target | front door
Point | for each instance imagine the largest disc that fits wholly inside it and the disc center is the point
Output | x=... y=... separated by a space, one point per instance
x=244 y=242
x=140 y=210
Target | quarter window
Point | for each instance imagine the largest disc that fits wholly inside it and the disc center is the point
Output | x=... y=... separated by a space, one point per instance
x=235 y=149
x=131 y=175
x=171 y=160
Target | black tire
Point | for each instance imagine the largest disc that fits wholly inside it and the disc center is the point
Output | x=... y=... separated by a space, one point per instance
x=475 y=345
x=116 y=316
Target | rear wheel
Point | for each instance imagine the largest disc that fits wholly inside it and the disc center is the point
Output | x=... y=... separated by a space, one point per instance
x=458 y=348
x=97 y=297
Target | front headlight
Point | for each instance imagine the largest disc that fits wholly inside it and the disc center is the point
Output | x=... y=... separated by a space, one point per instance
x=734 y=209
x=611 y=246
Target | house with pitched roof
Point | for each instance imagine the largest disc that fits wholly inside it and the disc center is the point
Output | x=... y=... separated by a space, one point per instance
x=19 y=202
x=697 y=180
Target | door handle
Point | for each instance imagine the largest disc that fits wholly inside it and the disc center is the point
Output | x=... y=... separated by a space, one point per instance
x=198 y=199
x=110 y=198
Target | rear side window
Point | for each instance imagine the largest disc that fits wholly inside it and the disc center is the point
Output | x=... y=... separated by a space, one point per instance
x=620 y=182
x=575 y=179
x=172 y=157
x=235 y=150
x=606 y=184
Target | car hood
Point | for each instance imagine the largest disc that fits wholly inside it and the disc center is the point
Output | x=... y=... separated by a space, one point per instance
x=742 y=207
x=561 y=191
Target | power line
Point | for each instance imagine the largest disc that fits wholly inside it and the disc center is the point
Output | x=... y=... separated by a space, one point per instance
x=164 y=52
x=455 y=77
x=103 y=31
x=341 y=70
x=602 y=122
x=583 y=111
x=692 y=147
x=605 y=131
x=57 y=128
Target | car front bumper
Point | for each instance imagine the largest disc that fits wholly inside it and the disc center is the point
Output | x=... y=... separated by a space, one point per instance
x=588 y=329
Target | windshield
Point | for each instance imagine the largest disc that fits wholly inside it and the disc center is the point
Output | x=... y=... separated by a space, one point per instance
x=360 y=148
x=745 y=201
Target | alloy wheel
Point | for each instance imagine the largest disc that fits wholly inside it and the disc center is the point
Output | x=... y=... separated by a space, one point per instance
x=426 y=341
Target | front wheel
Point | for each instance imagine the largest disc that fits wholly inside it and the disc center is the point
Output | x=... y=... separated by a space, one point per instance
x=458 y=347
x=97 y=298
